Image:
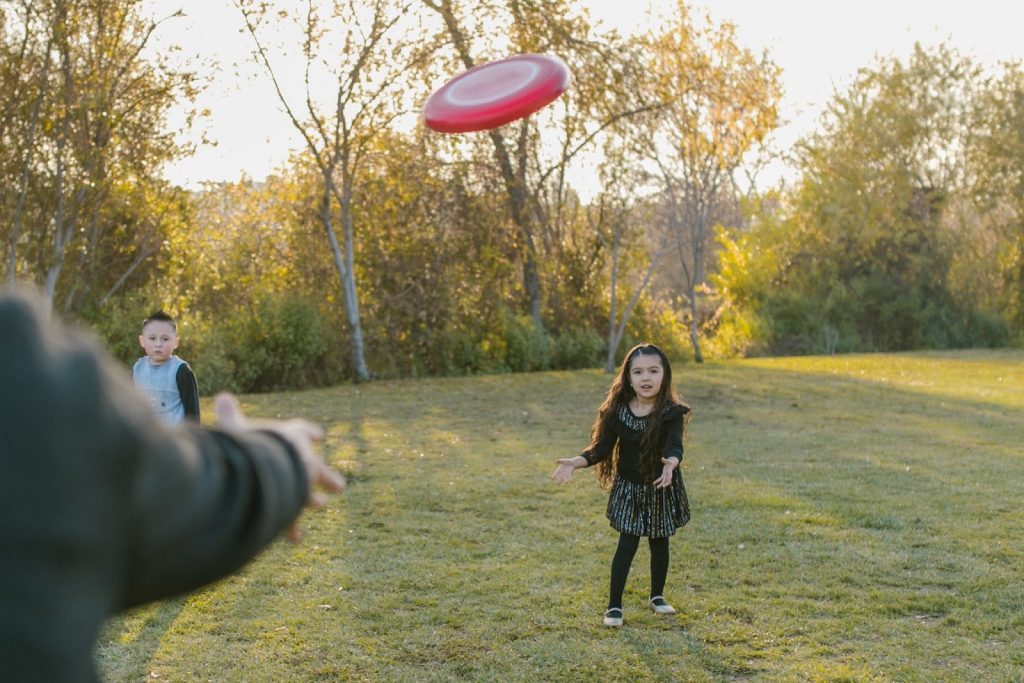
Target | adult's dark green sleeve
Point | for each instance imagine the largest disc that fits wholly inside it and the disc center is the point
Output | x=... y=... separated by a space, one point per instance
x=202 y=503
x=188 y=390
x=102 y=506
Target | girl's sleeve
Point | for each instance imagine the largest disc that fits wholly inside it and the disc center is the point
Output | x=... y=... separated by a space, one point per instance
x=674 y=433
x=602 y=449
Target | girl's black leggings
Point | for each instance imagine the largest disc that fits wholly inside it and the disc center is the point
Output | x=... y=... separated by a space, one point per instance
x=624 y=558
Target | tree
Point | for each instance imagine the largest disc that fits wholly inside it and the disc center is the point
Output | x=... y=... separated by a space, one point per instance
x=887 y=242
x=26 y=62
x=997 y=195
x=533 y=180
x=718 y=101
x=369 y=50
x=614 y=216
x=87 y=143
x=879 y=181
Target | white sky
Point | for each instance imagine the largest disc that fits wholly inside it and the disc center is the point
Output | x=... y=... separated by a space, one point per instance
x=819 y=44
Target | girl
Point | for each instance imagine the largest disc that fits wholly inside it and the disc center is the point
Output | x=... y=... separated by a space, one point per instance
x=637 y=444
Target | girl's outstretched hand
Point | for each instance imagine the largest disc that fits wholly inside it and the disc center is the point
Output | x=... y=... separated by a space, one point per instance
x=563 y=473
x=665 y=479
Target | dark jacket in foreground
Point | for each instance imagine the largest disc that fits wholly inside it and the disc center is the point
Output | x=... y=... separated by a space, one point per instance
x=102 y=507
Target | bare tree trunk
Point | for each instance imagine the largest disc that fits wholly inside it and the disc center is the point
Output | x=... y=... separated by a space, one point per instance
x=613 y=338
x=348 y=281
x=63 y=227
x=60 y=218
x=12 y=256
x=698 y=355
x=344 y=263
x=337 y=149
x=515 y=184
x=531 y=281
x=699 y=235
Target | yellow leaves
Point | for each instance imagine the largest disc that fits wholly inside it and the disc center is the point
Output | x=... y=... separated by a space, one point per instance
x=720 y=98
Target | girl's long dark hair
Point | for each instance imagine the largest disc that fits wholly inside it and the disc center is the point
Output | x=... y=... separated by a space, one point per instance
x=619 y=394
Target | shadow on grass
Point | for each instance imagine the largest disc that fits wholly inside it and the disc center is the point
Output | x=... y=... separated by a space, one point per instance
x=144 y=629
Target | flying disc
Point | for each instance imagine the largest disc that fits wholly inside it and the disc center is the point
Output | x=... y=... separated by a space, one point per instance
x=496 y=93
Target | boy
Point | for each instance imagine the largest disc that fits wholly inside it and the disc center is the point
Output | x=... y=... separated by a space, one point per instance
x=165 y=378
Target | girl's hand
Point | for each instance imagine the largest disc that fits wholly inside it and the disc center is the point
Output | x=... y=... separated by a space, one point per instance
x=665 y=480
x=566 y=466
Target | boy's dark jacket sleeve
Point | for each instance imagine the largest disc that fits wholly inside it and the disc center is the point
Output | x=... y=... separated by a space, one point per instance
x=102 y=507
x=188 y=390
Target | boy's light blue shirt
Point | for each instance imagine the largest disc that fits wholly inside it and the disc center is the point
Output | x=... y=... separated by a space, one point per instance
x=160 y=383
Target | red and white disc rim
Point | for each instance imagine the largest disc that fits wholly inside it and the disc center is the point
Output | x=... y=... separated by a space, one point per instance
x=496 y=93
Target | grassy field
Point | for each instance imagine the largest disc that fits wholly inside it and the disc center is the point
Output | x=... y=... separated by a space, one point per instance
x=855 y=518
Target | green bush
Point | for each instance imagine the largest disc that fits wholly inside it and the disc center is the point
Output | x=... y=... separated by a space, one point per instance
x=526 y=350
x=736 y=335
x=285 y=343
x=509 y=343
x=987 y=331
x=576 y=347
x=459 y=353
x=207 y=350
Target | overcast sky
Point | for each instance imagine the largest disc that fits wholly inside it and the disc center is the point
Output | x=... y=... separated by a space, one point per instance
x=819 y=44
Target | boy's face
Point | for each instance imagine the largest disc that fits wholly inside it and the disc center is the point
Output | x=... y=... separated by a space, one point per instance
x=159 y=340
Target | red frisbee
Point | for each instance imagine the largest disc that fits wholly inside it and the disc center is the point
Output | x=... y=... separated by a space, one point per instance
x=496 y=93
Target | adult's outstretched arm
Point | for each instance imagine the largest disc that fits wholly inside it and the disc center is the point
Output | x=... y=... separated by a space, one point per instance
x=103 y=507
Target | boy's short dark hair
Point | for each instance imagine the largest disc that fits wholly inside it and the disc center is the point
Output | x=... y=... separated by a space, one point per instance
x=160 y=316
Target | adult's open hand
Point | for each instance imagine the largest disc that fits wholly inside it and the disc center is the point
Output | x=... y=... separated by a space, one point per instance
x=301 y=434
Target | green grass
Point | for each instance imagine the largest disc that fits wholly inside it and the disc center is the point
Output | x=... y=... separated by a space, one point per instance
x=855 y=518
